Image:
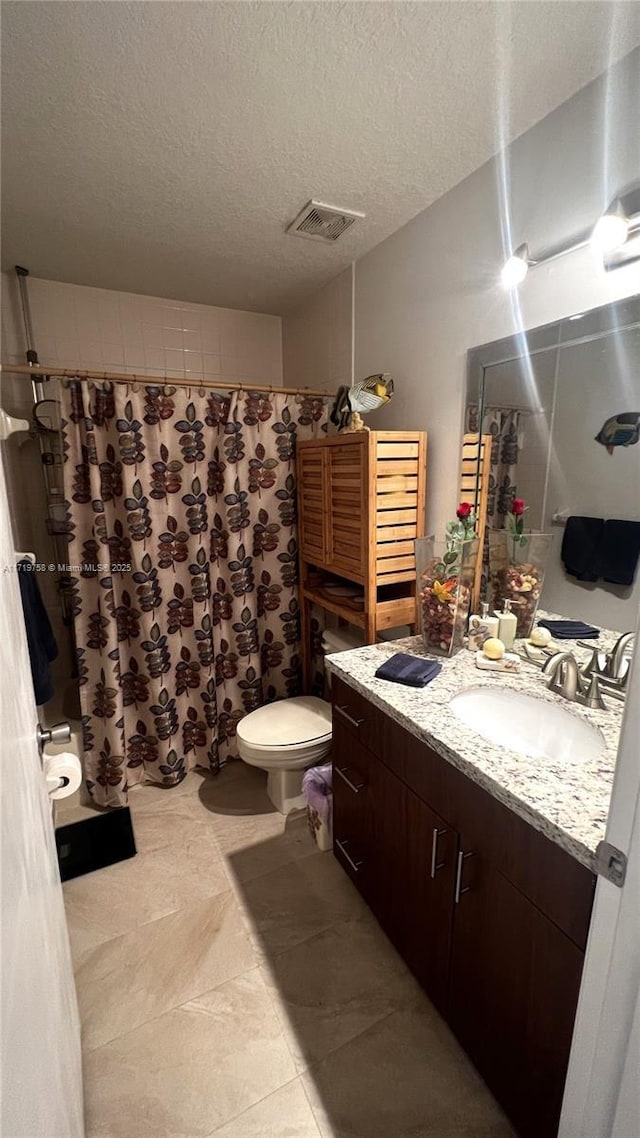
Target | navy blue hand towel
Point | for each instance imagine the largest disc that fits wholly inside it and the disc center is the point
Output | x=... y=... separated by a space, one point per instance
x=619 y=552
x=580 y=547
x=40 y=639
x=414 y=671
x=570 y=629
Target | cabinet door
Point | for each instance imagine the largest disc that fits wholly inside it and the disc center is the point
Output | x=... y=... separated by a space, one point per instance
x=514 y=984
x=399 y=853
x=431 y=850
x=413 y=870
x=347 y=510
x=311 y=503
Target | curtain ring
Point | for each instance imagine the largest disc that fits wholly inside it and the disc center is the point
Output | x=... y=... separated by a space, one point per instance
x=135 y=386
x=202 y=392
x=189 y=392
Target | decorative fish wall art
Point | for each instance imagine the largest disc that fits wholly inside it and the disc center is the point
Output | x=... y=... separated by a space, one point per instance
x=620 y=430
x=367 y=395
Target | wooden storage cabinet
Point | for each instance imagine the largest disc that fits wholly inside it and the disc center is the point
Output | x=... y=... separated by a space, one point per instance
x=361 y=501
x=311 y=488
x=489 y=914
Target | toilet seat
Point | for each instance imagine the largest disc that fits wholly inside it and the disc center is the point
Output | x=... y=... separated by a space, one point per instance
x=287 y=725
x=284 y=738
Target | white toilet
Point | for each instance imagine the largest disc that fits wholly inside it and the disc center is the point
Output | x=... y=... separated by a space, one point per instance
x=286 y=737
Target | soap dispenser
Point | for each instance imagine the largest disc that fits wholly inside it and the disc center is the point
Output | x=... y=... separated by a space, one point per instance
x=482 y=627
x=507 y=625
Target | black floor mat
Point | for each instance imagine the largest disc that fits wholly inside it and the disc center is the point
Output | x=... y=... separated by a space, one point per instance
x=95 y=843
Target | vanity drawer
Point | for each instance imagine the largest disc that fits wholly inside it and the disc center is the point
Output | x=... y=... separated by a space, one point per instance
x=352 y=806
x=354 y=713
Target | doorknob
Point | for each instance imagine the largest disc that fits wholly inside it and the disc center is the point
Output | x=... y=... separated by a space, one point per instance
x=59 y=733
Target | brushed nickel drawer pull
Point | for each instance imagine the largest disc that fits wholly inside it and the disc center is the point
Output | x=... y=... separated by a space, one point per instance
x=354 y=722
x=462 y=857
x=342 y=771
x=435 y=864
x=355 y=865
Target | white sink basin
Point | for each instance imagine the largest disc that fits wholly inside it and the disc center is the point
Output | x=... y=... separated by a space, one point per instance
x=530 y=726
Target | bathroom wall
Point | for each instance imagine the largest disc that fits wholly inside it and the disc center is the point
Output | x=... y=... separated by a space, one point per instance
x=100 y=329
x=97 y=328
x=317 y=338
x=431 y=290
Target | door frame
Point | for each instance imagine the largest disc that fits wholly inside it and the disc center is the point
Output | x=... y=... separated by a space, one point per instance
x=601 y=1095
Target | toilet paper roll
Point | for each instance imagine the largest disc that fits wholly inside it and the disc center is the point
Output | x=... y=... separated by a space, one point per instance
x=63 y=774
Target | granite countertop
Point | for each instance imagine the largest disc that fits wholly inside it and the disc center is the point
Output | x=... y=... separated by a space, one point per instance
x=566 y=801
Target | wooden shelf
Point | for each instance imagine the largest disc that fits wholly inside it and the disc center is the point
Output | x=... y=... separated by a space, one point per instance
x=346 y=612
x=361 y=501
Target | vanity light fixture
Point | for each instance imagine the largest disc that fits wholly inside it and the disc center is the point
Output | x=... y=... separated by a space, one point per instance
x=611 y=230
x=516 y=267
x=615 y=237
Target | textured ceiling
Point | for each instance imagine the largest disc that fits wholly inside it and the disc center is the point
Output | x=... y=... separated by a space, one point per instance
x=163 y=147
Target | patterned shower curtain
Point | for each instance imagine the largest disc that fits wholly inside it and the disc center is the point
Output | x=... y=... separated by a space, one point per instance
x=504 y=427
x=182 y=542
x=503 y=424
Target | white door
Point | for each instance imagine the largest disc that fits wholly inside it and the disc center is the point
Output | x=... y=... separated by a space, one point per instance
x=40 y=1058
x=602 y=1095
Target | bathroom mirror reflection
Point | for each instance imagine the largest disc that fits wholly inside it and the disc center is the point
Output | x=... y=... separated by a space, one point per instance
x=558 y=409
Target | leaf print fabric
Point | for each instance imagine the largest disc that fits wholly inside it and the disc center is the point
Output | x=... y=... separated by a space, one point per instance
x=503 y=425
x=183 y=541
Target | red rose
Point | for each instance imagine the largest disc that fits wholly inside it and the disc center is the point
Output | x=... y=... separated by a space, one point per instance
x=463 y=511
x=518 y=507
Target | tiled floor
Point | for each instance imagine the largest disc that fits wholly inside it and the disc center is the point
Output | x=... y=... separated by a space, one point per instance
x=232 y=983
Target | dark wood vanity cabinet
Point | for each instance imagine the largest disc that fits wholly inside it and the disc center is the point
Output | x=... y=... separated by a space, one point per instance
x=491 y=916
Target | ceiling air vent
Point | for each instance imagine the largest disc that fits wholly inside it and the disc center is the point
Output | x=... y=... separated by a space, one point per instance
x=322 y=222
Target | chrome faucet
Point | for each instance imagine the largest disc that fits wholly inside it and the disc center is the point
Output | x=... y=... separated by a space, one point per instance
x=616 y=659
x=610 y=670
x=563 y=675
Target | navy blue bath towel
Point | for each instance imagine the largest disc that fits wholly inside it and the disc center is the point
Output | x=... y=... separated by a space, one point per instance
x=414 y=671
x=619 y=552
x=580 y=547
x=570 y=629
x=594 y=549
x=40 y=639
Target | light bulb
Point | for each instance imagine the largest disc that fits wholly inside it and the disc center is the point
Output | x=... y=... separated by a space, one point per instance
x=611 y=230
x=516 y=268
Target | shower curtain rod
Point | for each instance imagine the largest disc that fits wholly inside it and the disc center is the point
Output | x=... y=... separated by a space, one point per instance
x=159 y=380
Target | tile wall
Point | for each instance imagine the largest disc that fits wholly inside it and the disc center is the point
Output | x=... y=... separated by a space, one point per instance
x=94 y=328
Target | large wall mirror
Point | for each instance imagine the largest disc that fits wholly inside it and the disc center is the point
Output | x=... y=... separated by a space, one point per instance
x=558 y=408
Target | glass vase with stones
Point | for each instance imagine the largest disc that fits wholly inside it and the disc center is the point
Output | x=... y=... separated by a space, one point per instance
x=516 y=573
x=444 y=584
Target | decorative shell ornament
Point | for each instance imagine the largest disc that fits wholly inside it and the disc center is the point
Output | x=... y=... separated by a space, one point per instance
x=365 y=396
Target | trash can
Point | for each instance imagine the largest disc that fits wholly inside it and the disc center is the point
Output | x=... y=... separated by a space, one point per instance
x=317 y=789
